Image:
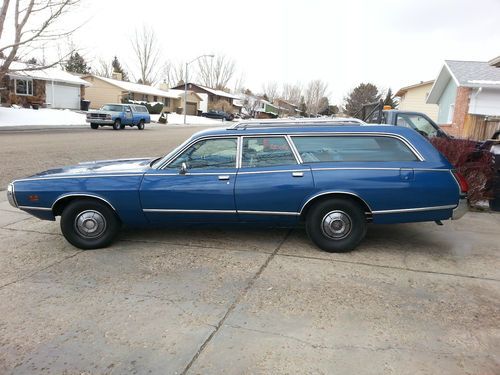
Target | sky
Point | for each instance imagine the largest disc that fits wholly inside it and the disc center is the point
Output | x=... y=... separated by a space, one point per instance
x=391 y=43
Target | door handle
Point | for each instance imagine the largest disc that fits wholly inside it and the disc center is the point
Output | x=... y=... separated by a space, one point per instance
x=298 y=174
x=224 y=177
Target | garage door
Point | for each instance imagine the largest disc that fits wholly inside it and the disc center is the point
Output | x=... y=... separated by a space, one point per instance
x=191 y=109
x=62 y=96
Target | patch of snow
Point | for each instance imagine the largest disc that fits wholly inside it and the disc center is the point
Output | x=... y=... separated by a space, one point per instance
x=484 y=82
x=176 y=119
x=40 y=117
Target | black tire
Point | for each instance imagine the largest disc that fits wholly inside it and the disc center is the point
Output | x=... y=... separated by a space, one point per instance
x=95 y=212
x=94 y=126
x=346 y=229
x=140 y=125
x=117 y=125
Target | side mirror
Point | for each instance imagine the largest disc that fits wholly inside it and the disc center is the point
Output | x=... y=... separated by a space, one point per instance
x=183 y=169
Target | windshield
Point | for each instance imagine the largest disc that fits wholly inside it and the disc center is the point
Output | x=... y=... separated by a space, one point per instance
x=157 y=162
x=419 y=123
x=112 y=107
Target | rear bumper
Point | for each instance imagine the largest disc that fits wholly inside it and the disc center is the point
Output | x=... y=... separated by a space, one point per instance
x=461 y=209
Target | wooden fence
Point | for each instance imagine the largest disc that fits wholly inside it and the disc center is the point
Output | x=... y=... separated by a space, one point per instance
x=480 y=128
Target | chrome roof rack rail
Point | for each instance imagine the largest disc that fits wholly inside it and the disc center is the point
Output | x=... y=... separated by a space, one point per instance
x=280 y=123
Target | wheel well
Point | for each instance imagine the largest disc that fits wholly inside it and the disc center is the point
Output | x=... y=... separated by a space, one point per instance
x=324 y=197
x=62 y=203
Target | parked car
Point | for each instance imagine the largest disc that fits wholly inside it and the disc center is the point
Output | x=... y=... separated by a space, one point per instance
x=119 y=115
x=221 y=115
x=334 y=178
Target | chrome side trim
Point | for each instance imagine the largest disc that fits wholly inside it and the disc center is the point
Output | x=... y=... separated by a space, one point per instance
x=377 y=168
x=35 y=208
x=275 y=171
x=178 y=211
x=239 y=152
x=417 y=209
x=78 y=176
x=190 y=174
x=294 y=149
x=335 y=192
x=82 y=195
x=281 y=213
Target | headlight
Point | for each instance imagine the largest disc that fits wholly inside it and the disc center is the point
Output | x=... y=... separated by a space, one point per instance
x=11 y=195
x=108 y=117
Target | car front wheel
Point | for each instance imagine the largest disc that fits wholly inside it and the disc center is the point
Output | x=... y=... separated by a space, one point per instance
x=94 y=126
x=89 y=224
x=336 y=225
x=140 y=125
x=117 y=125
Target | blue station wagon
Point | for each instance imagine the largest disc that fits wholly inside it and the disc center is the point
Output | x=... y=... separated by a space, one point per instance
x=334 y=178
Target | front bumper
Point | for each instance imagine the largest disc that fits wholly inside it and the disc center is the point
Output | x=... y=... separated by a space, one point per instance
x=461 y=209
x=11 y=195
x=100 y=121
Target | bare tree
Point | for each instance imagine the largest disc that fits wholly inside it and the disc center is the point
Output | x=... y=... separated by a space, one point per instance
x=250 y=104
x=270 y=90
x=34 y=24
x=315 y=91
x=292 y=93
x=147 y=52
x=173 y=73
x=239 y=84
x=216 y=72
x=103 y=68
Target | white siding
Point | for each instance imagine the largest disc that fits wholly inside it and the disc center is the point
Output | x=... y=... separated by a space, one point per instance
x=486 y=102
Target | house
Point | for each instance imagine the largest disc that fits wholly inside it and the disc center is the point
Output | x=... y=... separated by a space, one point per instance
x=414 y=98
x=287 y=109
x=114 y=90
x=217 y=99
x=257 y=107
x=49 y=87
x=468 y=97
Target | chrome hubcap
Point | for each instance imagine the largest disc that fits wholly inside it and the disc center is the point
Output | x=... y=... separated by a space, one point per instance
x=90 y=224
x=336 y=225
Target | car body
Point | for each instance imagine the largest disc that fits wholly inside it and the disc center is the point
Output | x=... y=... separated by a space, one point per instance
x=332 y=177
x=119 y=116
x=221 y=115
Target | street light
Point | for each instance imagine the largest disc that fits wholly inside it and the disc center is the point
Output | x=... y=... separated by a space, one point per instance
x=186 y=83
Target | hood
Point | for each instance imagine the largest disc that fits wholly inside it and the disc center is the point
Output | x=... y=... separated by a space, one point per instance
x=115 y=166
x=98 y=111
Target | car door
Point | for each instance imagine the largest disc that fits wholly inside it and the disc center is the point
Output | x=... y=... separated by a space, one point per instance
x=196 y=186
x=128 y=115
x=270 y=184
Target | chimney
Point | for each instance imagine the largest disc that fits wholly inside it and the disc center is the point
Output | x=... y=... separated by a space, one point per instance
x=117 y=76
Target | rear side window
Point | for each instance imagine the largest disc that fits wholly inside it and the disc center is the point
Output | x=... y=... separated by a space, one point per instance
x=266 y=152
x=316 y=149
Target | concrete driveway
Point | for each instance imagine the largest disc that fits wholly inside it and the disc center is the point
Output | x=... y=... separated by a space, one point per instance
x=413 y=299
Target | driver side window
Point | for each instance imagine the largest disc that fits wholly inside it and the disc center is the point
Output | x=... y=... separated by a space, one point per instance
x=209 y=153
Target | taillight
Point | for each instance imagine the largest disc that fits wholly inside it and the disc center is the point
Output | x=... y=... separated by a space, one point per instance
x=462 y=182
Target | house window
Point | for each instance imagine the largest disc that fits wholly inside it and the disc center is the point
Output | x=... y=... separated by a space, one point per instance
x=144 y=97
x=24 y=87
x=450 y=113
x=166 y=101
x=155 y=98
x=130 y=96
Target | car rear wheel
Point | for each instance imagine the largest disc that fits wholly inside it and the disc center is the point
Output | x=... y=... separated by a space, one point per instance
x=336 y=225
x=89 y=224
x=94 y=126
x=140 y=125
x=117 y=125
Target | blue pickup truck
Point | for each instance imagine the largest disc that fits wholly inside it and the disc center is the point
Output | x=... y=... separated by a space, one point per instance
x=119 y=115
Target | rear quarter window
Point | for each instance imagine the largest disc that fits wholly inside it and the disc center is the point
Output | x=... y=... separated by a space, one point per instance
x=316 y=149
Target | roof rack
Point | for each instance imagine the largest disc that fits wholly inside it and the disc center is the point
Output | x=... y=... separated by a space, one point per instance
x=280 y=123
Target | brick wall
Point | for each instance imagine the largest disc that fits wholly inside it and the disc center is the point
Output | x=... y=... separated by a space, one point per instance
x=461 y=109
